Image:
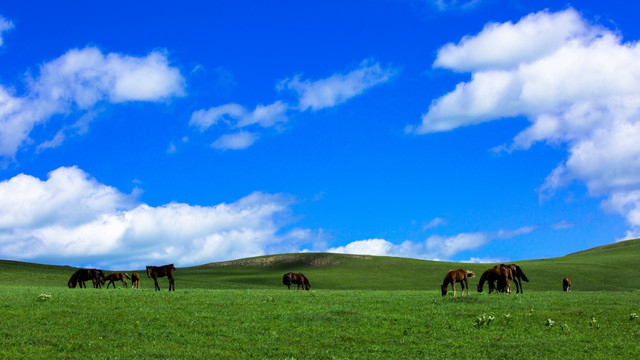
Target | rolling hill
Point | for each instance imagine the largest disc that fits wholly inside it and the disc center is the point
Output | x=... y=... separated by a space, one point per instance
x=610 y=267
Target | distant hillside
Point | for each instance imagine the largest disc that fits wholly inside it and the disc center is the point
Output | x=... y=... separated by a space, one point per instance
x=610 y=267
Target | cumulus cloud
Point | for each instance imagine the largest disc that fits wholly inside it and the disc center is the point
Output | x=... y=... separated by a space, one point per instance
x=577 y=83
x=338 y=88
x=5 y=25
x=78 y=80
x=435 y=247
x=74 y=219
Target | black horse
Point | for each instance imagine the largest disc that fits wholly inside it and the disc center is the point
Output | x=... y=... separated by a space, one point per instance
x=82 y=275
x=299 y=279
x=160 y=271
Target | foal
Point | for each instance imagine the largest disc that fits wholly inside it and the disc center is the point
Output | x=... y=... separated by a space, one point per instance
x=135 y=280
x=454 y=276
x=566 y=284
x=113 y=277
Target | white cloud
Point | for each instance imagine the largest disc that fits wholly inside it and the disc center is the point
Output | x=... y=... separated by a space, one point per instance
x=78 y=80
x=265 y=115
x=435 y=247
x=316 y=95
x=447 y=246
x=227 y=113
x=577 y=83
x=378 y=247
x=235 y=141
x=508 y=45
x=72 y=218
x=448 y=5
x=436 y=222
x=5 y=25
x=237 y=116
x=338 y=88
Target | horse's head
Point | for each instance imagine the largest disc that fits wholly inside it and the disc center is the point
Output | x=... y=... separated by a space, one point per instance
x=480 y=286
x=72 y=284
x=444 y=289
x=148 y=271
x=307 y=286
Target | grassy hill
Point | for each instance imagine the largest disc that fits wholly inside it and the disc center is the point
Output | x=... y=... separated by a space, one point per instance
x=610 y=267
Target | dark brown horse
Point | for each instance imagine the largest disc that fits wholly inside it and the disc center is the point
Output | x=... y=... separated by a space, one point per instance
x=113 y=277
x=498 y=274
x=135 y=280
x=566 y=284
x=517 y=275
x=299 y=279
x=161 y=271
x=82 y=275
x=454 y=276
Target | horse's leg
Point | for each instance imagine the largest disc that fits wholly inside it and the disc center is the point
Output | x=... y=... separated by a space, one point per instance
x=521 y=288
x=155 y=280
x=172 y=284
x=467 y=284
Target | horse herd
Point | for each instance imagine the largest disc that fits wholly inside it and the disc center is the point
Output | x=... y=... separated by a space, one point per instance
x=498 y=277
x=98 y=278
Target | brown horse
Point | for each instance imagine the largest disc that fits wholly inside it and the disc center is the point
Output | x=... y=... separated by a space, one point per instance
x=135 y=280
x=566 y=284
x=498 y=274
x=161 y=271
x=291 y=278
x=115 y=277
x=454 y=276
x=517 y=275
x=82 y=275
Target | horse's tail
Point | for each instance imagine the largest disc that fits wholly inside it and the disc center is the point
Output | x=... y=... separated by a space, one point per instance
x=127 y=276
x=521 y=273
x=470 y=274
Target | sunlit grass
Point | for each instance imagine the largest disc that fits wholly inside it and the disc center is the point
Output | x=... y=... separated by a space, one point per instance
x=124 y=323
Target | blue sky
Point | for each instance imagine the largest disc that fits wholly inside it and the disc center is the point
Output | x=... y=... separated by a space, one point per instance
x=149 y=133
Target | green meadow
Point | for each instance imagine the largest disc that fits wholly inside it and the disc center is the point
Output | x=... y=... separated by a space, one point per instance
x=359 y=307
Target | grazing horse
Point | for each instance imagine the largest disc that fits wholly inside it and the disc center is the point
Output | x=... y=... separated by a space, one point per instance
x=499 y=274
x=454 y=276
x=566 y=284
x=82 y=275
x=161 y=271
x=517 y=275
x=291 y=278
x=135 y=280
x=115 y=277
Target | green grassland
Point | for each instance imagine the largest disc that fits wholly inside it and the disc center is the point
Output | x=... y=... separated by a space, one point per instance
x=360 y=307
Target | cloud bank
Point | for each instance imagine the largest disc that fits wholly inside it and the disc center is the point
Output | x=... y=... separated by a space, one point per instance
x=435 y=247
x=577 y=83
x=79 y=80
x=71 y=218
